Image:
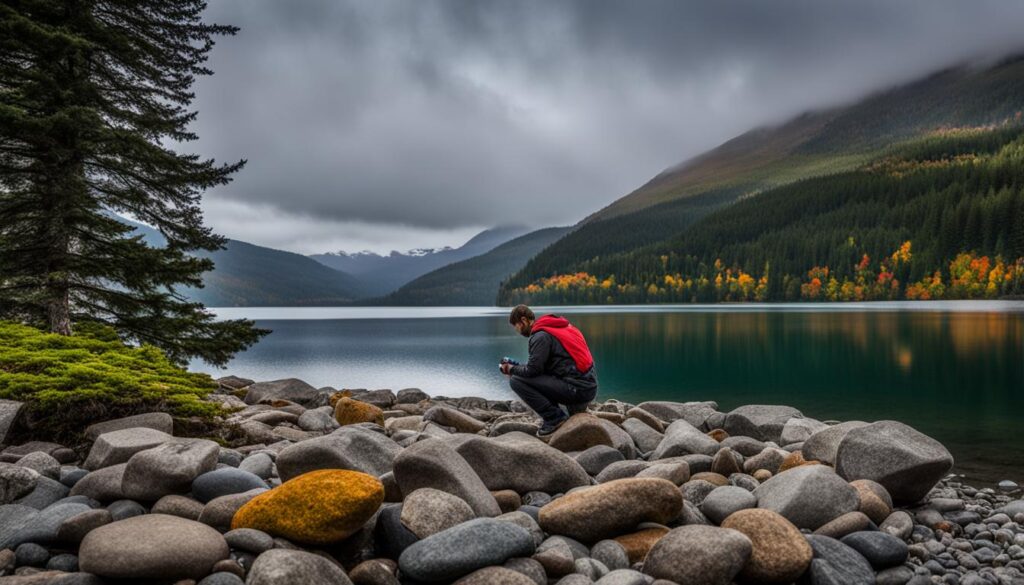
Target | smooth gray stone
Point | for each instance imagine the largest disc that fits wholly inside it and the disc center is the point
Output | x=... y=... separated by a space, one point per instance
x=124 y=509
x=290 y=389
x=103 y=485
x=698 y=555
x=70 y=477
x=160 y=421
x=9 y=411
x=522 y=463
x=611 y=554
x=153 y=546
x=43 y=463
x=525 y=521
x=763 y=422
x=906 y=462
x=224 y=481
x=30 y=554
x=258 y=464
x=621 y=470
x=280 y=566
x=16 y=482
x=428 y=511
x=411 y=396
x=63 y=562
x=222 y=578
x=529 y=567
x=44 y=527
x=824 y=444
x=881 y=549
x=596 y=458
x=646 y=438
x=724 y=500
x=682 y=438
x=180 y=506
x=808 y=496
x=47 y=491
x=746 y=446
x=218 y=512
x=695 y=413
x=624 y=577
x=797 y=430
x=249 y=540
x=119 y=446
x=14 y=518
x=390 y=535
x=462 y=549
x=168 y=468
x=351 y=447
x=74 y=529
x=592 y=568
x=432 y=463
x=834 y=563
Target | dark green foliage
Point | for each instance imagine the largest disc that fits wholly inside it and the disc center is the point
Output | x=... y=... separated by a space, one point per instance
x=71 y=381
x=953 y=192
x=475 y=281
x=92 y=92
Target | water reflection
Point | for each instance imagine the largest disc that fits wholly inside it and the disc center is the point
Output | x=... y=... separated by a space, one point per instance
x=958 y=376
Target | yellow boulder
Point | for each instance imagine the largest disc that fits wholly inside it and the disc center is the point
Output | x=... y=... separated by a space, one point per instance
x=349 y=412
x=319 y=507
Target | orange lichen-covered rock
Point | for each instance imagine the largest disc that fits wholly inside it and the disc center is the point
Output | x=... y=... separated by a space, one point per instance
x=639 y=543
x=338 y=396
x=349 y=412
x=319 y=507
x=795 y=459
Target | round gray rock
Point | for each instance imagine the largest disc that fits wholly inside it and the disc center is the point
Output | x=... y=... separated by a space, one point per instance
x=699 y=555
x=834 y=563
x=279 y=566
x=808 y=496
x=153 y=546
x=724 y=500
x=428 y=511
x=462 y=549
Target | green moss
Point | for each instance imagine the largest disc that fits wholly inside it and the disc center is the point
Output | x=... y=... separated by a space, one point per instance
x=69 y=382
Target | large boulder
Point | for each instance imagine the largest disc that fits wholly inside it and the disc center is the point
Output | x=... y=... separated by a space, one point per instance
x=682 y=438
x=119 y=446
x=798 y=430
x=824 y=444
x=320 y=507
x=610 y=509
x=763 y=422
x=699 y=555
x=290 y=389
x=168 y=469
x=906 y=462
x=462 y=549
x=354 y=448
x=808 y=496
x=433 y=463
x=579 y=433
x=516 y=461
x=152 y=546
x=160 y=421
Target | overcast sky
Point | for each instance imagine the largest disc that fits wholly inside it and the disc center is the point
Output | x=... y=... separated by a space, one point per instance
x=379 y=124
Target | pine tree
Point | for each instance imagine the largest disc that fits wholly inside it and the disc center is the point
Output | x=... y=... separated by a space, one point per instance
x=93 y=93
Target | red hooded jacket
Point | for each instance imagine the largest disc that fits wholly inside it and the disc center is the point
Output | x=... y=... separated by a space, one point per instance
x=570 y=337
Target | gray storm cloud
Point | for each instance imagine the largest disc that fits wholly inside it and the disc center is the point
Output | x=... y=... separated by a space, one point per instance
x=429 y=119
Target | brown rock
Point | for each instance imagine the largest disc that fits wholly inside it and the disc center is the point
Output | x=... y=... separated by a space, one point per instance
x=875 y=501
x=374 y=572
x=846 y=524
x=762 y=475
x=610 y=509
x=718 y=434
x=639 y=543
x=780 y=552
x=349 y=412
x=647 y=418
x=711 y=477
x=795 y=459
x=579 y=433
x=725 y=462
x=508 y=500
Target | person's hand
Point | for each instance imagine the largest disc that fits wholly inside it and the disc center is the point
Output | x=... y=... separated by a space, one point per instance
x=506 y=369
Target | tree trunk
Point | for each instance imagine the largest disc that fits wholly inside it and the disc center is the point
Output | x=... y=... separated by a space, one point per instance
x=59 y=313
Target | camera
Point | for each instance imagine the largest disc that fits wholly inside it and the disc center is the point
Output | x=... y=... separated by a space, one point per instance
x=507 y=360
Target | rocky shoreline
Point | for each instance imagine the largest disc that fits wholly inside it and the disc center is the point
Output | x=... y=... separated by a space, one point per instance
x=317 y=486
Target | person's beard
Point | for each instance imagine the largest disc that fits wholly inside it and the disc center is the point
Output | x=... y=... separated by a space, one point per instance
x=526 y=331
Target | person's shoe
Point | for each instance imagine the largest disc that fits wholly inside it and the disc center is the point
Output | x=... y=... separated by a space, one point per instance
x=549 y=427
x=577 y=408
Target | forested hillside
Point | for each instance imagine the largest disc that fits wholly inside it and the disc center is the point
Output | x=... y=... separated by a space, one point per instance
x=818 y=144
x=940 y=216
x=475 y=281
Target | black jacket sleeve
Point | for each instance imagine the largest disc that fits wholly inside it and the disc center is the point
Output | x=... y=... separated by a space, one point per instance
x=540 y=350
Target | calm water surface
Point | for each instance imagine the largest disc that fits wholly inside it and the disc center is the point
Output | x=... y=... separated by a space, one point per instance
x=954 y=370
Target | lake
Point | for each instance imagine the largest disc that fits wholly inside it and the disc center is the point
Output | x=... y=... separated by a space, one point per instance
x=954 y=370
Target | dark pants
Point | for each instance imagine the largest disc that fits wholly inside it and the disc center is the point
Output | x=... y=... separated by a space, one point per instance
x=544 y=393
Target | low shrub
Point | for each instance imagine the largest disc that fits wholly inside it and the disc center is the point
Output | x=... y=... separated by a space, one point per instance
x=70 y=382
